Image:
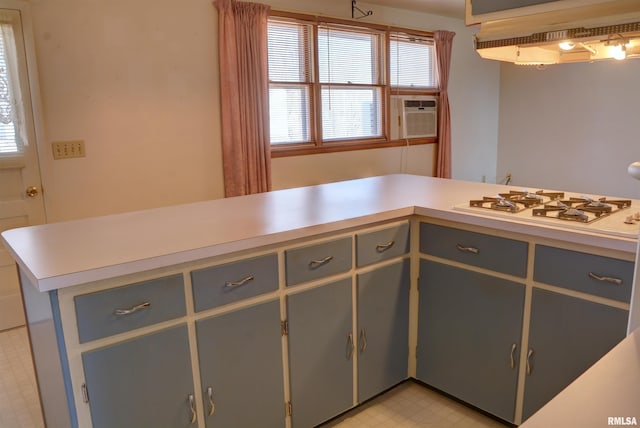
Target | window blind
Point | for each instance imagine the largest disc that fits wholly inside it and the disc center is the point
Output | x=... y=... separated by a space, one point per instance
x=411 y=62
x=290 y=78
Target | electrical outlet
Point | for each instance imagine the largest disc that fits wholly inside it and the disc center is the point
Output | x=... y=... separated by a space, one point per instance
x=68 y=149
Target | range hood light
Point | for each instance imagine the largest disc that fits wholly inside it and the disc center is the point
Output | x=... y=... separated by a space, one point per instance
x=619 y=52
x=566 y=45
x=573 y=34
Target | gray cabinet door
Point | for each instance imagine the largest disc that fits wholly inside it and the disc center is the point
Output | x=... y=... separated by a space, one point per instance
x=143 y=382
x=320 y=355
x=241 y=361
x=469 y=330
x=567 y=336
x=383 y=328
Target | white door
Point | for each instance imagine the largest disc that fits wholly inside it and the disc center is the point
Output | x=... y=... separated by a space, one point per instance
x=21 y=202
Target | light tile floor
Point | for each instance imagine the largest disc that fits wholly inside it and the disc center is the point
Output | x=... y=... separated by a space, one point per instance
x=410 y=405
x=19 y=402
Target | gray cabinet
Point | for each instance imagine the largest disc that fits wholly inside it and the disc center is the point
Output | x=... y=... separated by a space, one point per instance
x=241 y=372
x=383 y=328
x=317 y=261
x=567 y=336
x=587 y=273
x=121 y=309
x=385 y=244
x=223 y=284
x=142 y=382
x=469 y=330
x=321 y=347
x=475 y=249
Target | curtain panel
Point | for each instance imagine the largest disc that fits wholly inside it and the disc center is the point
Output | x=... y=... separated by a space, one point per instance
x=443 y=42
x=244 y=97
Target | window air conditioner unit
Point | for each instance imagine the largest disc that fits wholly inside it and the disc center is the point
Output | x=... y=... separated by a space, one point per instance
x=415 y=117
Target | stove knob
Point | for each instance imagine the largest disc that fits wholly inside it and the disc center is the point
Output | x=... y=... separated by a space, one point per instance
x=629 y=220
x=636 y=216
x=634 y=170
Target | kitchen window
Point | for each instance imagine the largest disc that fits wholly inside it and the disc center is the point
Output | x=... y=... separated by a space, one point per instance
x=331 y=83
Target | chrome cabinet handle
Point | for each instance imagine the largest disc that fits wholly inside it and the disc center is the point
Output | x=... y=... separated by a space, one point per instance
x=350 y=345
x=313 y=264
x=529 y=367
x=212 y=405
x=243 y=281
x=384 y=247
x=465 y=249
x=133 y=309
x=609 y=279
x=513 y=351
x=363 y=340
x=192 y=408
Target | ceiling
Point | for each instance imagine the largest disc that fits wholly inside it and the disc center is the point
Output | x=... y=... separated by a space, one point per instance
x=451 y=8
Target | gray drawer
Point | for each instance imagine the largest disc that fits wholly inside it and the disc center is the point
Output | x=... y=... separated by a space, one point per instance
x=219 y=285
x=580 y=272
x=373 y=247
x=96 y=312
x=318 y=261
x=477 y=249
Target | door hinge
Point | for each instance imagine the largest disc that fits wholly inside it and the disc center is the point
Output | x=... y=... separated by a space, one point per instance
x=284 y=328
x=288 y=410
x=85 y=393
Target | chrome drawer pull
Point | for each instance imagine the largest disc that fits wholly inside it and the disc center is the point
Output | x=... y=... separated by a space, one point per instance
x=243 y=281
x=529 y=367
x=616 y=281
x=513 y=351
x=192 y=408
x=384 y=247
x=212 y=405
x=85 y=393
x=464 y=249
x=350 y=345
x=133 y=309
x=317 y=263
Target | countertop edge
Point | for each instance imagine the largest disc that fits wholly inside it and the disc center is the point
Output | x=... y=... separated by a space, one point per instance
x=271 y=218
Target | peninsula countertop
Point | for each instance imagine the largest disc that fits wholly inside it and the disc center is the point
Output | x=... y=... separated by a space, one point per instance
x=64 y=254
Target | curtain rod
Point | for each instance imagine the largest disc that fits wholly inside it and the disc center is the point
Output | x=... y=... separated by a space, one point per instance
x=332 y=20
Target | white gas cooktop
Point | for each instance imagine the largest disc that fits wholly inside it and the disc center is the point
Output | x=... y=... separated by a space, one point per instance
x=605 y=215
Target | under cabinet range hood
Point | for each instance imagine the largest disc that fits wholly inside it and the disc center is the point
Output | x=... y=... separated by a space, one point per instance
x=539 y=32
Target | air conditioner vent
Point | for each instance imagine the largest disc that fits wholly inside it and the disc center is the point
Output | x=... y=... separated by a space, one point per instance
x=416 y=117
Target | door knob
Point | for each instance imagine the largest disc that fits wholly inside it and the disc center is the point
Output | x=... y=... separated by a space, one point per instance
x=32 y=191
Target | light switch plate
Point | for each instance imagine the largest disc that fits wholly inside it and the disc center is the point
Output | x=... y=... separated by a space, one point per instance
x=68 y=149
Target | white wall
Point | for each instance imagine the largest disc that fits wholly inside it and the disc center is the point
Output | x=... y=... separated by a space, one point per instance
x=138 y=82
x=571 y=126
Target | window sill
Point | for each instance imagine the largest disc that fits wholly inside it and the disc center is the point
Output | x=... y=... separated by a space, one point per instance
x=308 y=149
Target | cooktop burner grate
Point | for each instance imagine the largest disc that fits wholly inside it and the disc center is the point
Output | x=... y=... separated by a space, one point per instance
x=582 y=209
x=552 y=205
x=516 y=201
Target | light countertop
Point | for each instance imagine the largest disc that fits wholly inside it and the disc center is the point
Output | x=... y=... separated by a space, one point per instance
x=63 y=254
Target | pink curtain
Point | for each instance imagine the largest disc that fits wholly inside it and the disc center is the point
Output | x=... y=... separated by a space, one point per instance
x=443 y=41
x=244 y=97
